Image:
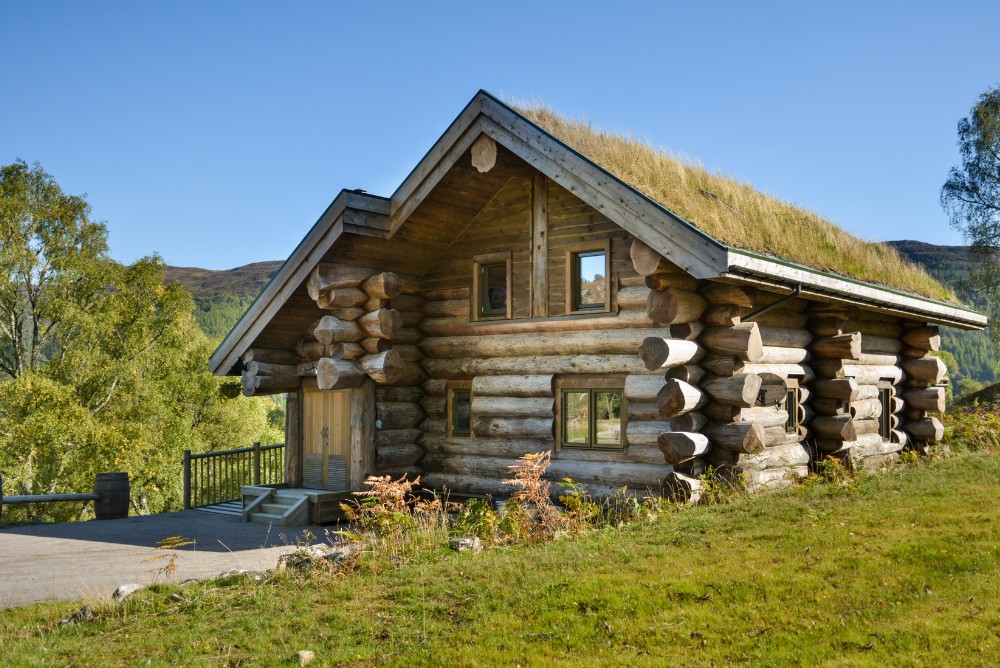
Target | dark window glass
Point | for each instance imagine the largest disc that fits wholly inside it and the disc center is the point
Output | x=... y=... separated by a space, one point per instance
x=461 y=412
x=592 y=418
x=590 y=285
x=493 y=289
x=885 y=419
x=792 y=407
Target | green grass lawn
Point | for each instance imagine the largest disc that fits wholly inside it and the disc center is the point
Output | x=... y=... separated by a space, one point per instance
x=899 y=569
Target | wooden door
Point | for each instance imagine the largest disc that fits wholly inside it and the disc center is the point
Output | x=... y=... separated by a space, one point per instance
x=326 y=439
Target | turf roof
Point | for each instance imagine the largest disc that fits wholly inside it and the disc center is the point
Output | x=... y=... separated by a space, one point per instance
x=735 y=213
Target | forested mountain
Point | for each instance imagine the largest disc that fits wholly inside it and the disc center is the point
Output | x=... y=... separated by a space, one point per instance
x=973 y=351
x=221 y=298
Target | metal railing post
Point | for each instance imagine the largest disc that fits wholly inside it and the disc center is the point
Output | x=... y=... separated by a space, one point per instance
x=187 y=480
x=256 y=462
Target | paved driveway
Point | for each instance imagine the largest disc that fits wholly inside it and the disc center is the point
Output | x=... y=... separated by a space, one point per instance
x=87 y=560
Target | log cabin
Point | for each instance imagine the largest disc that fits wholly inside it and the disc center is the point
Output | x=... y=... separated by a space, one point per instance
x=513 y=295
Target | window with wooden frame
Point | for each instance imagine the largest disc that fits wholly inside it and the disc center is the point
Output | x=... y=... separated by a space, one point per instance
x=491 y=286
x=459 y=408
x=885 y=415
x=591 y=413
x=588 y=284
x=792 y=405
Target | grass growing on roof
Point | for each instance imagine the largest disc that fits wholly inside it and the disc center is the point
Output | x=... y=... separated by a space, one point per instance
x=735 y=213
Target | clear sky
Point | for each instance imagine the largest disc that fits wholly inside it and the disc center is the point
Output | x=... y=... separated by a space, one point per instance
x=216 y=133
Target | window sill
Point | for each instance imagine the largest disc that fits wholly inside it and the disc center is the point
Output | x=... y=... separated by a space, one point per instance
x=576 y=315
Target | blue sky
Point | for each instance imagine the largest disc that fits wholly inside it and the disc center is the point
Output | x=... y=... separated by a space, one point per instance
x=215 y=133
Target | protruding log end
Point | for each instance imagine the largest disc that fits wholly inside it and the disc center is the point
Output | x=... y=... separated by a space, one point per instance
x=746 y=437
x=678 y=446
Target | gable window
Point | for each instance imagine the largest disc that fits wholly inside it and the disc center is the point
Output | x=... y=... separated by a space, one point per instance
x=459 y=408
x=792 y=405
x=885 y=415
x=592 y=413
x=491 y=286
x=587 y=273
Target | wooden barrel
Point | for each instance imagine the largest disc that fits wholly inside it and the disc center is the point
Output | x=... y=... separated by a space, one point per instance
x=113 y=492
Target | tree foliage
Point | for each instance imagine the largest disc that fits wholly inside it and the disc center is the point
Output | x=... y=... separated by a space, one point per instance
x=102 y=366
x=971 y=194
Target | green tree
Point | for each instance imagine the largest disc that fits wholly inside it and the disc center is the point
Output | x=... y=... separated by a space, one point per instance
x=971 y=194
x=102 y=366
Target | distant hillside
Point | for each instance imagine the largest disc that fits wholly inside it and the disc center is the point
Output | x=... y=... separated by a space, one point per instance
x=973 y=351
x=221 y=296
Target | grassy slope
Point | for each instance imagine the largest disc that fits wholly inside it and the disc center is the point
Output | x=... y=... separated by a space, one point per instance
x=900 y=569
x=735 y=213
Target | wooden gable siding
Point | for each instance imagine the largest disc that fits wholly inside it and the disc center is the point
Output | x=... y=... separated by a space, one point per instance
x=572 y=222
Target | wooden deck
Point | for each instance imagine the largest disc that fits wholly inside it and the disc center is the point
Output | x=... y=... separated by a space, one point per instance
x=324 y=505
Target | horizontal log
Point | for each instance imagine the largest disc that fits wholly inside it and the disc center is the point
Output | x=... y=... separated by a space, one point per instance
x=408 y=353
x=777 y=355
x=776 y=456
x=270 y=356
x=265 y=369
x=313 y=350
x=381 y=324
x=513 y=386
x=722 y=365
x=677 y=397
x=880 y=344
x=678 y=447
x=341 y=298
x=484 y=406
x=765 y=416
x=397 y=436
x=645 y=433
x=407 y=394
x=434 y=407
x=451 y=308
x=407 y=303
x=682 y=488
x=660 y=353
x=351 y=313
x=327 y=275
x=255 y=386
x=643 y=388
x=865 y=409
x=502 y=427
x=784 y=337
x=462 y=327
x=878 y=359
x=633 y=298
x=782 y=318
x=601 y=342
x=842 y=389
x=458 y=483
x=693 y=421
x=674 y=305
x=689 y=373
x=930 y=370
x=864 y=374
x=329 y=329
x=394 y=456
x=836 y=427
x=385 y=285
x=827 y=326
x=924 y=338
x=509 y=448
x=727 y=293
x=738 y=390
x=689 y=331
x=742 y=341
x=870 y=327
x=865 y=426
x=648 y=261
x=643 y=410
x=736 y=436
x=384 y=368
x=373 y=346
x=802 y=372
x=721 y=315
x=928 y=399
x=842 y=346
x=409 y=373
x=374 y=304
x=399 y=415
x=776 y=437
x=553 y=364
x=334 y=374
x=664 y=281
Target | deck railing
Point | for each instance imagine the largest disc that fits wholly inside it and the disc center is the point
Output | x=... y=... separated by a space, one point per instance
x=214 y=477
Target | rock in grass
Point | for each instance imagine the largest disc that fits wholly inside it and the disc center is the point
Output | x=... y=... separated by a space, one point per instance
x=125 y=590
x=84 y=614
x=472 y=544
x=305 y=656
x=308 y=556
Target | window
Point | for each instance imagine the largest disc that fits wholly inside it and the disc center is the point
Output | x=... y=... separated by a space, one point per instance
x=588 y=287
x=459 y=408
x=591 y=414
x=885 y=415
x=792 y=405
x=491 y=286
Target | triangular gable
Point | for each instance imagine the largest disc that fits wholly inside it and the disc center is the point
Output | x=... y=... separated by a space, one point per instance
x=676 y=239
